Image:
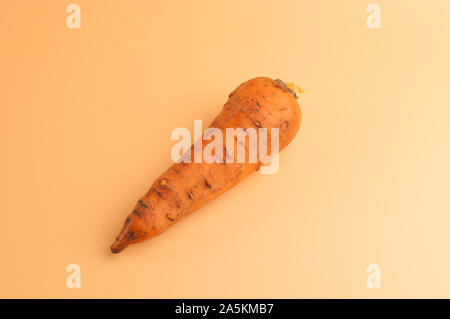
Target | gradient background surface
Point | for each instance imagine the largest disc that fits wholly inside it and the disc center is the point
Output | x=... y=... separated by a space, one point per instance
x=85 y=122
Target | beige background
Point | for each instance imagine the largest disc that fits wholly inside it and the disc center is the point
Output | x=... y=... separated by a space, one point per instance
x=85 y=122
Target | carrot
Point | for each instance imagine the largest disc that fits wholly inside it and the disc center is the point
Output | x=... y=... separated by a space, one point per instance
x=185 y=187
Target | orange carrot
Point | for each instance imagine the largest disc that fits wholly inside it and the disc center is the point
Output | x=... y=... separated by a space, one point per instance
x=185 y=187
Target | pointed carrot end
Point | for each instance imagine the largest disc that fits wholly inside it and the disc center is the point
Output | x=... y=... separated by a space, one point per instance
x=117 y=247
x=119 y=244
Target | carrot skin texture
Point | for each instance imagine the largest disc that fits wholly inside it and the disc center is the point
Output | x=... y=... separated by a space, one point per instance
x=185 y=187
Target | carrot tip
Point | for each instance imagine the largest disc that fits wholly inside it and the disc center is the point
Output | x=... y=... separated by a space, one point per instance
x=118 y=246
x=114 y=250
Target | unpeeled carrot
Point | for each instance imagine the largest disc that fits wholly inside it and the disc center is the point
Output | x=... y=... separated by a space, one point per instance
x=185 y=187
